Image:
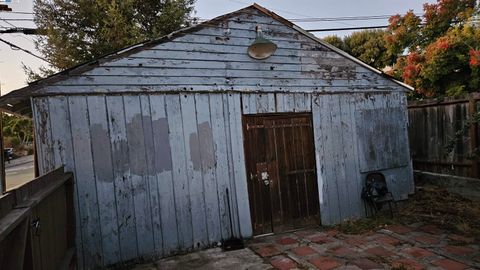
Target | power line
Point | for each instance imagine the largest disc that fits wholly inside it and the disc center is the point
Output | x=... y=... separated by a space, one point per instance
x=348 y=28
x=24 y=50
x=344 y=18
x=275 y=9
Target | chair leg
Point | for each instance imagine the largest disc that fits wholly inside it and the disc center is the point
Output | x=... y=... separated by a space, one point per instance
x=390 y=207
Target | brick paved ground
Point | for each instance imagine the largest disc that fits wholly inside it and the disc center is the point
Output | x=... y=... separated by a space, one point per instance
x=395 y=247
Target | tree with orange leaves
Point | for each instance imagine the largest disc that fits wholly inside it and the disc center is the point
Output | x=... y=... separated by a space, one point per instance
x=439 y=53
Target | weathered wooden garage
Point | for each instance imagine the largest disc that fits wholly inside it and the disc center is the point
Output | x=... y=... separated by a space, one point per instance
x=170 y=138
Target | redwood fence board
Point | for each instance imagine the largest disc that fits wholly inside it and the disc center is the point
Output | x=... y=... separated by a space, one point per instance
x=432 y=126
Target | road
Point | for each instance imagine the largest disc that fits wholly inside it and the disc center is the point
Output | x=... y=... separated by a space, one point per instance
x=19 y=171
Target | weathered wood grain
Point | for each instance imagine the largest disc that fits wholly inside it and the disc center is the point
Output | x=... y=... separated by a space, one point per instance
x=102 y=163
x=64 y=156
x=159 y=139
x=219 y=134
x=151 y=177
x=85 y=181
x=44 y=138
x=208 y=160
x=121 y=176
x=432 y=124
x=138 y=173
x=163 y=169
x=194 y=175
x=180 y=179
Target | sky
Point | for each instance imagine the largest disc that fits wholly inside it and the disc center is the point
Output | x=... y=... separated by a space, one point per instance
x=13 y=77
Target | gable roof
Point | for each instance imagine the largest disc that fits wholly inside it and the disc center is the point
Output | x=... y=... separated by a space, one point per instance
x=18 y=100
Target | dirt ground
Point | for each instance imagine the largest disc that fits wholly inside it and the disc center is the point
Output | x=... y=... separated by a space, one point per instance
x=429 y=205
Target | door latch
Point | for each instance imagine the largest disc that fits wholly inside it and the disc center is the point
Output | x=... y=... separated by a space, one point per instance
x=36 y=226
x=265 y=178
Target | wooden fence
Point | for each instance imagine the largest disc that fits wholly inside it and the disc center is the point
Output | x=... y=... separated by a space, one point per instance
x=37 y=224
x=432 y=126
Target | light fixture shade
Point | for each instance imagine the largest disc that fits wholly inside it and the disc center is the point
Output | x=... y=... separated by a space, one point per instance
x=261 y=48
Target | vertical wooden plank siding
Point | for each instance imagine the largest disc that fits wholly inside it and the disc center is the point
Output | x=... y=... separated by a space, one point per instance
x=102 y=163
x=332 y=147
x=319 y=131
x=152 y=170
x=85 y=181
x=207 y=157
x=355 y=179
x=138 y=172
x=150 y=178
x=219 y=132
x=344 y=190
x=63 y=153
x=179 y=169
x=240 y=177
x=231 y=174
x=194 y=175
x=163 y=170
x=121 y=177
x=44 y=140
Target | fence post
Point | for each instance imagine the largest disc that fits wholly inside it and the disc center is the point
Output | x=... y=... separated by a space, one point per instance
x=473 y=134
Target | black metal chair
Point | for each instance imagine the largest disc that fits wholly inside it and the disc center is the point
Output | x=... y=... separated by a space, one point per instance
x=375 y=193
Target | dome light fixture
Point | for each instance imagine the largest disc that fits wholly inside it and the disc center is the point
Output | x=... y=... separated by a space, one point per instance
x=261 y=48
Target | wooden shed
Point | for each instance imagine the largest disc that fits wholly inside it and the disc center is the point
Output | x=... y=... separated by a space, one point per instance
x=171 y=139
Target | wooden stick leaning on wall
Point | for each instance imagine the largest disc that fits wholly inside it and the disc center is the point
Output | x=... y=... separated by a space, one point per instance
x=473 y=134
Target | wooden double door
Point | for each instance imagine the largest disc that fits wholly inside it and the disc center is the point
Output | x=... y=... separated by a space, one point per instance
x=281 y=173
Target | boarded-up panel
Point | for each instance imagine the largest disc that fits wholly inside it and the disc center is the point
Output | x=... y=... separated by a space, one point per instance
x=382 y=139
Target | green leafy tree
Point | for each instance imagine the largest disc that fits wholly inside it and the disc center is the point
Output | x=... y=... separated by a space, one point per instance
x=335 y=41
x=367 y=45
x=77 y=31
x=18 y=129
